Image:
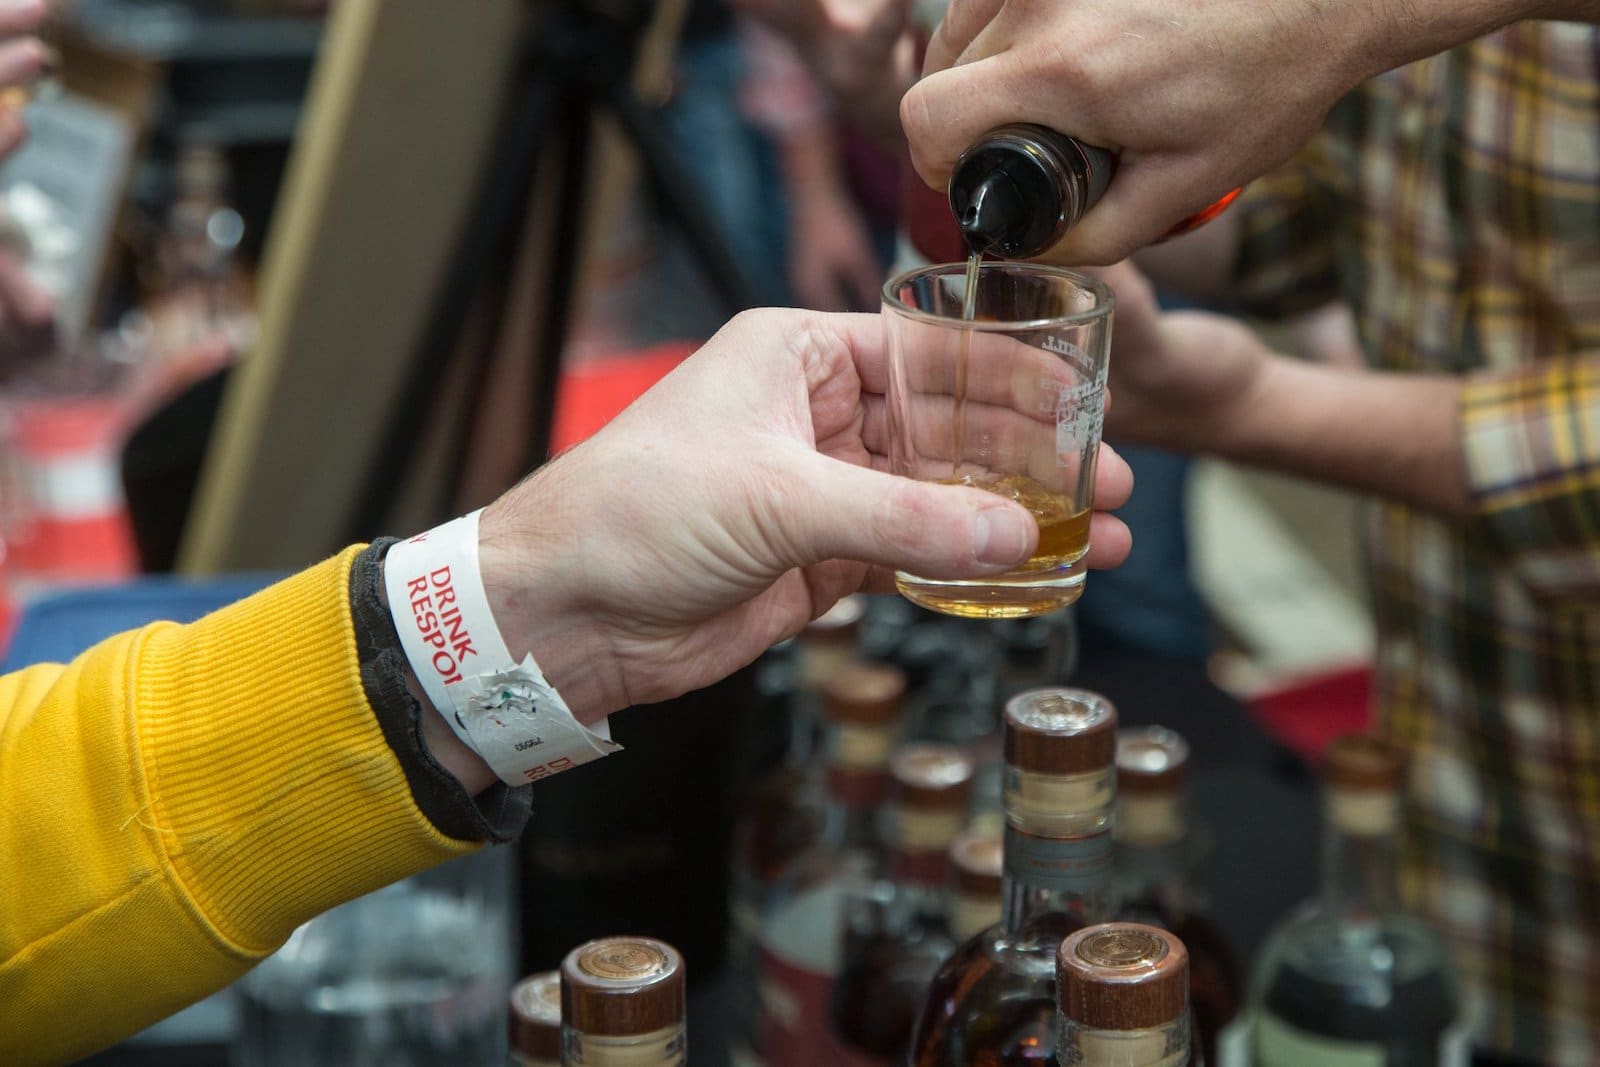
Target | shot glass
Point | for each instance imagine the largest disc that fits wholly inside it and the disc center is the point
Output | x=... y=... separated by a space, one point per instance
x=1011 y=400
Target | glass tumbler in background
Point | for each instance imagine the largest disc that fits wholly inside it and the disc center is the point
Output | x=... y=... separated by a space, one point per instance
x=1011 y=400
x=414 y=974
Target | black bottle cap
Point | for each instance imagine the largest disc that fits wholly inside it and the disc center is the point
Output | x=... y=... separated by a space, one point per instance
x=1019 y=188
x=1007 y=200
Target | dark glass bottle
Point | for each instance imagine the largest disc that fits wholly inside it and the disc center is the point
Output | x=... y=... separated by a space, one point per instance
x=1019 y=188
x=993 y=1002
x=801 y=926
x=897 y=930
x=1160 y=861
x=1124 y=998
x=1350 y=976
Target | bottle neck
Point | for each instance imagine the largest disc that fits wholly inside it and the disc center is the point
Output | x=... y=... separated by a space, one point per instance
x=1359 y=851
x=1159 y=1046
x=1057 y=875
x=661 y=1048
x=858 y=780
x=1157 y=856
x=919 y=852
x=852 y=822
x=1058 y=847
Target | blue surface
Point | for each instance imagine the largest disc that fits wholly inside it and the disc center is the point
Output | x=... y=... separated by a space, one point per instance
x=58 y=627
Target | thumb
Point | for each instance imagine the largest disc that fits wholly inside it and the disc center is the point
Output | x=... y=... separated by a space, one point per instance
x=836 y=510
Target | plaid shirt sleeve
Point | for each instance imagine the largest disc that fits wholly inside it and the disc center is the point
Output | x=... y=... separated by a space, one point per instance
x=1531 y=437
x=1288 y=254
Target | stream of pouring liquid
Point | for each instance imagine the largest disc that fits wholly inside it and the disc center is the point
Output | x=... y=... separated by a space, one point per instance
x=969 y=308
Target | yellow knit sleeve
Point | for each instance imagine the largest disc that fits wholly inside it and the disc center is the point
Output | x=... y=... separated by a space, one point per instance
x=176 y=801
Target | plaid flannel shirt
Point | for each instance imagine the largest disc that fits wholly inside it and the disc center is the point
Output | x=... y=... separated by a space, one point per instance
x=1455 y=203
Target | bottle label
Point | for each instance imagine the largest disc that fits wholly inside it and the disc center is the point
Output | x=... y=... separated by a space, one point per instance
x=1065 y=865
x=794 y=1012
x=1280 y=1045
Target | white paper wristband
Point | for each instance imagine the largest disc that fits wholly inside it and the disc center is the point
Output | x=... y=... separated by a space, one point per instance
x=503 y=710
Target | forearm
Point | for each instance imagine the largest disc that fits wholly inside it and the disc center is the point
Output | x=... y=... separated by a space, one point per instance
x=1390 y=435
x=808 y=157
x=1400 y=31
x=178 y=800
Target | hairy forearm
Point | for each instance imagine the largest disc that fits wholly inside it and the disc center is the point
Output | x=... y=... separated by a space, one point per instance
x=1400 y=31
x=1390 y=435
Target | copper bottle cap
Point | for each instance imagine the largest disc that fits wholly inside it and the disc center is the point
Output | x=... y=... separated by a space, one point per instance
x=931 y=775
x=839 y=625
x=867 y=694
x=1364 y=763
x=979 y=862
x=535 y=1020
x=620 y=986
x=1151 y=759
x=1123 y=976
x=1060 y=731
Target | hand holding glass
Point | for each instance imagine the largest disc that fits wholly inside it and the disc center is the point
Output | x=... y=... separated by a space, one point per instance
x=1011 y=400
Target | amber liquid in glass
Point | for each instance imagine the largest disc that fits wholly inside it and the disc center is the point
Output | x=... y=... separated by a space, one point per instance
x=1063 y=532
x=1063 y=542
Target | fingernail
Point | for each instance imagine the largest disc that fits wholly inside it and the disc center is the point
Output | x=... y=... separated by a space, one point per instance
x=1000 y=536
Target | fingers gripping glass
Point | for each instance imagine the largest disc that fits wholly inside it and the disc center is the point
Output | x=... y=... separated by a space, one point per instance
x=1011 y=400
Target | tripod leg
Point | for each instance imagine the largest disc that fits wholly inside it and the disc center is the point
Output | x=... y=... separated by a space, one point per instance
x=561 y=274
x=678 y=195
x=487 y=241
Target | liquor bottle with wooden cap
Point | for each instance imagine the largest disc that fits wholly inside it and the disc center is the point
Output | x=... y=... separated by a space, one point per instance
x=1124 y=995
x=1350 y=977
x=802 y=925
x=782 y=811
x=623 y=1004
x=534 y=1021
x=897 y=929
x=1160 y=868
x=977 y=858
x=993 y=1001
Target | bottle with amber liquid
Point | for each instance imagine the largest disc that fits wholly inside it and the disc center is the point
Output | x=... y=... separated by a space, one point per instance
x=802 y=924
x=1124 y=996
x=782 y=811
x=623 y=1004
x=1159 y=869
x=897 y=930
x=977 y=860
x=534 y=1021
x=993 y=1002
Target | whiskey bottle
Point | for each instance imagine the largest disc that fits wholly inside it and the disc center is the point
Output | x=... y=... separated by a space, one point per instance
x=993 y=1002
x=1350 y=977
x=534 y=1021
x=1160 y=866
x=1019 y=188
x=802 y=924
x=897 y=929
x=623 y=1004
x=1124 y=990
x=782 y=810
x=977 y=860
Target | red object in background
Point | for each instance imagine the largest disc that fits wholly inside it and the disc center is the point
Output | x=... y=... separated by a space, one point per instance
x=1307 y=715
x=593 y=392
x=74 y=525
